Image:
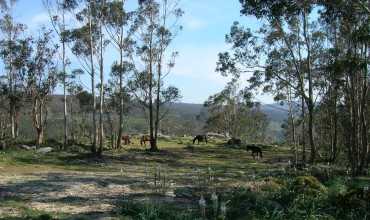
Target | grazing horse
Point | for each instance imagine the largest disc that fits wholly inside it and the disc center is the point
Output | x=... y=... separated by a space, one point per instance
x=144 y=139
x=255 y=151
x=200 y=138
x=126 y=140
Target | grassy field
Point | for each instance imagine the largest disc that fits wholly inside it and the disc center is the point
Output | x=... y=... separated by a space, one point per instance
x=133 y=183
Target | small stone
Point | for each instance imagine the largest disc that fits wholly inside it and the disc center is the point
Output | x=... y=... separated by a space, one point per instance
x=44 y=150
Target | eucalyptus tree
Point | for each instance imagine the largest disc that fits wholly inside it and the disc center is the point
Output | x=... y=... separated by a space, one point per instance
x=120 y=29
x=85 y=103
x=41 y=79
x=100 y=13
x=119 y=94
x=225 y=111
x=9 y=45
x=86 y=44
x=157 y=27
x=349 y=22
x=232 y=113
x=73 y=88
x=167 y=31
x=58 y=10
x=284 y=52
x=113 y=96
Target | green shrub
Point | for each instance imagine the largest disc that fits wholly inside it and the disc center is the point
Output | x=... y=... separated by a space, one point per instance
x=153 y=211
x=308 y=185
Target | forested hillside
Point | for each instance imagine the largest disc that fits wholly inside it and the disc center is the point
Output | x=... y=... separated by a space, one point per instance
x=182 y=119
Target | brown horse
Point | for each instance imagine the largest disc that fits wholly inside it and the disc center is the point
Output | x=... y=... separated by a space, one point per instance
x=144 y=139
x=126 y=140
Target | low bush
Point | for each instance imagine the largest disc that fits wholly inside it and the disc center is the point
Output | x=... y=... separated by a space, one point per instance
x=154 y=211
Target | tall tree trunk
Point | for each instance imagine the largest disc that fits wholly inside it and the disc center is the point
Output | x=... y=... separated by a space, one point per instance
x=364 y=102
x=153 y=141
x=292 y=122
x=37 y=113
x=303 y=131
x=310 y=134
x=310 y=103
x=11 y=79
x=12 y=102
x=12 y=120
x=157 y=104
x=101 y=124
x=65 y=140
x=72 y=122
x=40 y=137
x=159 y=79
x=121 y=95
x=94 y=133
x=334 y=130
x=157 y=119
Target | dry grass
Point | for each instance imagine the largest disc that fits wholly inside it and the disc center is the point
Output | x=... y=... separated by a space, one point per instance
x=74 y=184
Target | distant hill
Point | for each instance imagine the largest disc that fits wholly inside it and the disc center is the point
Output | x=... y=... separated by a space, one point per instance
x=182 y=118
x=275 y=112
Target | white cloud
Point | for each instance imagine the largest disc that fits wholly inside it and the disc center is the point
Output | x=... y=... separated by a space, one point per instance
x=199 y=63
x=40 y=19
x=193 y=24
x=43 y=19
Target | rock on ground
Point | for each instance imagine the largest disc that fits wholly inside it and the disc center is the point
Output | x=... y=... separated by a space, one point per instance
x=44 y=150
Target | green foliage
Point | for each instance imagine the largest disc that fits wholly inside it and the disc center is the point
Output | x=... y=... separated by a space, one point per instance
x=153 y=211
x=309 y=185
x=291 y=202
x=232 y=112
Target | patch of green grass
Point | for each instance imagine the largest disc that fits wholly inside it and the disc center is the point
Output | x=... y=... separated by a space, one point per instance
x=156 y=211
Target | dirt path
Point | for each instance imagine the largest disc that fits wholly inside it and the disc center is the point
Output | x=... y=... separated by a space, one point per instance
x=92 y=194
x=67 y=192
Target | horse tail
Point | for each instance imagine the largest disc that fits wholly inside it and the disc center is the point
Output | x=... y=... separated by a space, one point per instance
x=194 y=140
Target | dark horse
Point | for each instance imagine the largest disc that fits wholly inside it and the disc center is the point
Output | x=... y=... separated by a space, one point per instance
x=256 y=151
x=126 y=140
x=144 y=139
x=200 y=138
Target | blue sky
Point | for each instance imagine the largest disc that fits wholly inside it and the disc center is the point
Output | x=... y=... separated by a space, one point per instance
x=205 y=24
